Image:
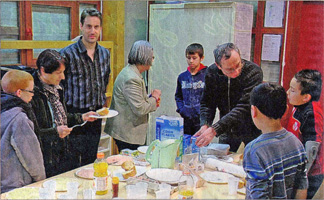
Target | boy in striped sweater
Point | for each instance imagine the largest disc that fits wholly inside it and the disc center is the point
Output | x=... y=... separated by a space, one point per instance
x=275 y=161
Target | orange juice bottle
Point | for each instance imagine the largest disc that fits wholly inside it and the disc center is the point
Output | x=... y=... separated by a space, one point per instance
x=100 y=167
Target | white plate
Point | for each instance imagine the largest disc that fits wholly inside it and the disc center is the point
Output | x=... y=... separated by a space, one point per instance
x=86 y=173
x=61 y=183
x=142 y=149
x=112 y=113
x=164 y=175
x=139 y=171
x=23 y=193
x=215 y=177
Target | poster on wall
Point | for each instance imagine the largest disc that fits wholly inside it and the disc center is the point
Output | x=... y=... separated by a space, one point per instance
x=274 y=14
x=271 y=47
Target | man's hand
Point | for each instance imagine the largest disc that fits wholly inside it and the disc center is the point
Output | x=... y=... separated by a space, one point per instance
x=86 y=116
x=63 y=131
x=205 y=136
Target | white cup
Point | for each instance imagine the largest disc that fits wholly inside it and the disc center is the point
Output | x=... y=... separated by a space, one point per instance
x=72 y=189
x=88 y=194
x=162 y=194
x=141 y=188
x=232 y=185
x=45 y=193
x=131 y=191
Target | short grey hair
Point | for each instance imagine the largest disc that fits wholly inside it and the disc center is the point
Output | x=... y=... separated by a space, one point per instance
x=141 y=53
x=225 y=50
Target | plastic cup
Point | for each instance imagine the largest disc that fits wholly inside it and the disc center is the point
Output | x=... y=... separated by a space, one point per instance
x=141 y=188
x=232 y=185
x=131 y=191
x=165 y=186
x=87 y=194
x=45 y=193
x=51 y=187
x=72 y=189
x=162 y=194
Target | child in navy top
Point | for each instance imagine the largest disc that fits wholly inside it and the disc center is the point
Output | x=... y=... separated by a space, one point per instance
x=190 y=87
x=306 y=122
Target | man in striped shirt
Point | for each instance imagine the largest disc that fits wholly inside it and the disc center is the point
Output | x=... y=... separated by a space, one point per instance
x=87 y=72
x=275 y=161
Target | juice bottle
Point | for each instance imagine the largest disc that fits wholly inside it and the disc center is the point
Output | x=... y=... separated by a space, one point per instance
x=100 y=167
x=186 y=186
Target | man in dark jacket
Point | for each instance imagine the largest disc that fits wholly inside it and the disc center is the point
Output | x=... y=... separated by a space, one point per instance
x=228 y=84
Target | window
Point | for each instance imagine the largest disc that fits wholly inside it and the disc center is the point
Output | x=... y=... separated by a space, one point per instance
x=50 y=23
x=9 y=30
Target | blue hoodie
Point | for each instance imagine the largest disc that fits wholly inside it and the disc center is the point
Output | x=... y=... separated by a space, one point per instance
x=188 y=95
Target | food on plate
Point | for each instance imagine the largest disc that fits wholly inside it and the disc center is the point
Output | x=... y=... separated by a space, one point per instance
x=130 y=170
x=118 y=159
x=103 y=111
x=85 y=173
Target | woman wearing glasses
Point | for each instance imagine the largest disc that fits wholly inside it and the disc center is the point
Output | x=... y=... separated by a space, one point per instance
x=21 y=156
x=52 y=117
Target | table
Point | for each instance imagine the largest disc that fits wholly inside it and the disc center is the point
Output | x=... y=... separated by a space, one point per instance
x=208 y=191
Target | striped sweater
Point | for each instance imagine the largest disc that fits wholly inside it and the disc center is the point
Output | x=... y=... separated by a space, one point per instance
x=275 y=166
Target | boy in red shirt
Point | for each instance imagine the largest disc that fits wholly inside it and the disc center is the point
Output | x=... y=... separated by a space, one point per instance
x=306 y=122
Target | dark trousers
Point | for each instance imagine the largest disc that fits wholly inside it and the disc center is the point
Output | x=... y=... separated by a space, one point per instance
x=124 y=145
x=84 y=141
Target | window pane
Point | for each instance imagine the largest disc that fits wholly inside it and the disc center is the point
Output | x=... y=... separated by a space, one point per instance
x=9 y=31
x=50 y=23
x=9 y=14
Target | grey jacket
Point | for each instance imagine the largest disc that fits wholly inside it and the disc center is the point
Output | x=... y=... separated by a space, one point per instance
x=21 y=157
x=133 y=105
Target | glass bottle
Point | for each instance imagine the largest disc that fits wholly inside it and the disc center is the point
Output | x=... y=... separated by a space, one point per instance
x=115 y=183
x=186 y=186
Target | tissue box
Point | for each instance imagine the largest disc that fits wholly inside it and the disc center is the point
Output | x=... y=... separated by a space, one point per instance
x=169 y=127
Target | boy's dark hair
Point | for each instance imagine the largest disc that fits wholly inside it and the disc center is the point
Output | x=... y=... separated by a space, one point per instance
x=195 y=48
x=90 y=12
x=50 y=60
x=311 y=83
x=270 y=99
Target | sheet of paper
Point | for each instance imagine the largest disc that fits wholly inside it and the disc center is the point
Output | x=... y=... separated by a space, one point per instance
x=271 y=47
x=274 y=13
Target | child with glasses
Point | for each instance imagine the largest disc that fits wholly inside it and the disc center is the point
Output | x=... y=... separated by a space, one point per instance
x=21 y=155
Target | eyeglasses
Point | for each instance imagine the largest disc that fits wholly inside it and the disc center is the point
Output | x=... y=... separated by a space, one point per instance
x=27 y=91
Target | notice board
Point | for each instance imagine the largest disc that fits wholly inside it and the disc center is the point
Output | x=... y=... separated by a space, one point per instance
x=172 y=27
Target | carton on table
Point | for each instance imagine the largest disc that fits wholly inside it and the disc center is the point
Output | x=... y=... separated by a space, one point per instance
x=170 y=127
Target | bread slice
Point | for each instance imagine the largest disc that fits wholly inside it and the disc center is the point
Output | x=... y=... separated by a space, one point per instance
x=103 y=111
x=129 y=168
x=130 y=173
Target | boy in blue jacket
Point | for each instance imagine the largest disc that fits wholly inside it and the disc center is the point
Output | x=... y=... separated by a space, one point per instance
x=190 y=87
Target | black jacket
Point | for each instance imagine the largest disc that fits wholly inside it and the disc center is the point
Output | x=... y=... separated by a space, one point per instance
x=55 y=149
x=232 y=98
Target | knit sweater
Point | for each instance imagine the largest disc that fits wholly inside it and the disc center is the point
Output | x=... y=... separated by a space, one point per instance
x=275 y=166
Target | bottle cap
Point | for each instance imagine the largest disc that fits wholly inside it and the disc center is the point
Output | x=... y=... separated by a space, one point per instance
x=115 y=180
x=186 y=172
x=100 y=155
